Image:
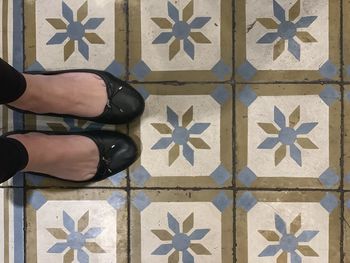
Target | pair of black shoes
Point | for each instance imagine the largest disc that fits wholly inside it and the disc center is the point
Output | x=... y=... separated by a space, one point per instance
x=117 y=151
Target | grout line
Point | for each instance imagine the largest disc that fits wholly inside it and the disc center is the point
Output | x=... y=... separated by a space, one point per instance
x=234 y=232
x=342 y=129
x=127 y=66
x=128 y=132
x=133 y=188
x=180 y=83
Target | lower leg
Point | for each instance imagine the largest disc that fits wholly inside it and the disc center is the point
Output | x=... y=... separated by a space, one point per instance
x=13 y=158
x=13 y=84
x=80 y=94
x=68 y=157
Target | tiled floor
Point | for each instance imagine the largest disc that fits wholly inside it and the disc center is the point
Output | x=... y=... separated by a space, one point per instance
x=244 y=140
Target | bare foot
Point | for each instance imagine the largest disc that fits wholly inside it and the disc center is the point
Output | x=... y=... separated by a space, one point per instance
x=70 y=157
x=80 y=94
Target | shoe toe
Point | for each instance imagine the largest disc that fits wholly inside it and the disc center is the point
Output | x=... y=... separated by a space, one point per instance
x=130 y=103
x=123 y=155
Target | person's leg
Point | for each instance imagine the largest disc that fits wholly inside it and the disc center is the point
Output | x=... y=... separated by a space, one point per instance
x=12 y=83
x=70 y=157
x=80 y=94
x=13 y=158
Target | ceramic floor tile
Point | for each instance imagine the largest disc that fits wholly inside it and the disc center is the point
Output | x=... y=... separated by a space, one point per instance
x=75 y=34
x=180 y=129
x=287 y=40
x=76 y=226
x=47 y=123
x=286 y=227
x=289 y=135
x=347 y=137
x=346 y=39
x=346 y=243
x=181 y=226
x=180 y=40
x=11 y=225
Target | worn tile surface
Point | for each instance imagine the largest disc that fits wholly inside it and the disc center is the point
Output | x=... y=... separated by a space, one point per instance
x=297 y=227
x=347 y=227
x=75 y=34
x=11 y=225
x=346 y=39
x=181 y=129
x=185 y=226
x=83 y=226
x=287 y=40
x=180 y=40
x=289 y=135
x=243 y=144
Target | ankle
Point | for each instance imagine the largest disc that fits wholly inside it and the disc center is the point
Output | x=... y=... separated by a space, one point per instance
x=30 y=97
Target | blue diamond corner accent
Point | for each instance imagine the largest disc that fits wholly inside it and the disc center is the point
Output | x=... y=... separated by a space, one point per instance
x=220 y=175
x=329 y=202
x=221 y=201
x=141 y=70
x=247 y=96
x=247 y=201
x=347 y=178
x=117 y=200
x=117 y=178
x=347 y=204
x=116 y=69
x=329 y=95
x=348 y=71
x=221 y=70
x=247 y=71
x=328 y=70
x=329 y=178
x=141 y=201
x=347 y=95
x=144 y=93
x=220 y=94
x=140 y=176
x=37 y=200
x=246 y=176
x=36 y=66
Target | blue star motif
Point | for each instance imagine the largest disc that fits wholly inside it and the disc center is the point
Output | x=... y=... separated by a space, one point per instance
x=287 y=135
x=75 y=239
x=181 y=241
x=181 y=135
x=181 y=30
x=287 y=30
x=75 y=31
x=288 y=243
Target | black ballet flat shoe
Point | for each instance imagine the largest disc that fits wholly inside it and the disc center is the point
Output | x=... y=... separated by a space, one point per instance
x=116 y=151
x=124 y=103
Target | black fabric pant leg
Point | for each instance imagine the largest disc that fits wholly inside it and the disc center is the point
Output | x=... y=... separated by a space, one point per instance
x=12 y=83
x=13 y=158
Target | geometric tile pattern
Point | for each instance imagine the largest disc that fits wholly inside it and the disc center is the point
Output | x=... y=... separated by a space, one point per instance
x=11 y=225
x=242 y=103
x=178 y=136
x=84 y=226
x=297 y=227
x=346 y=139
x=289 y=136
x=288 y=40
x=186 y=40
x=75 y=34
x=189 y=227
